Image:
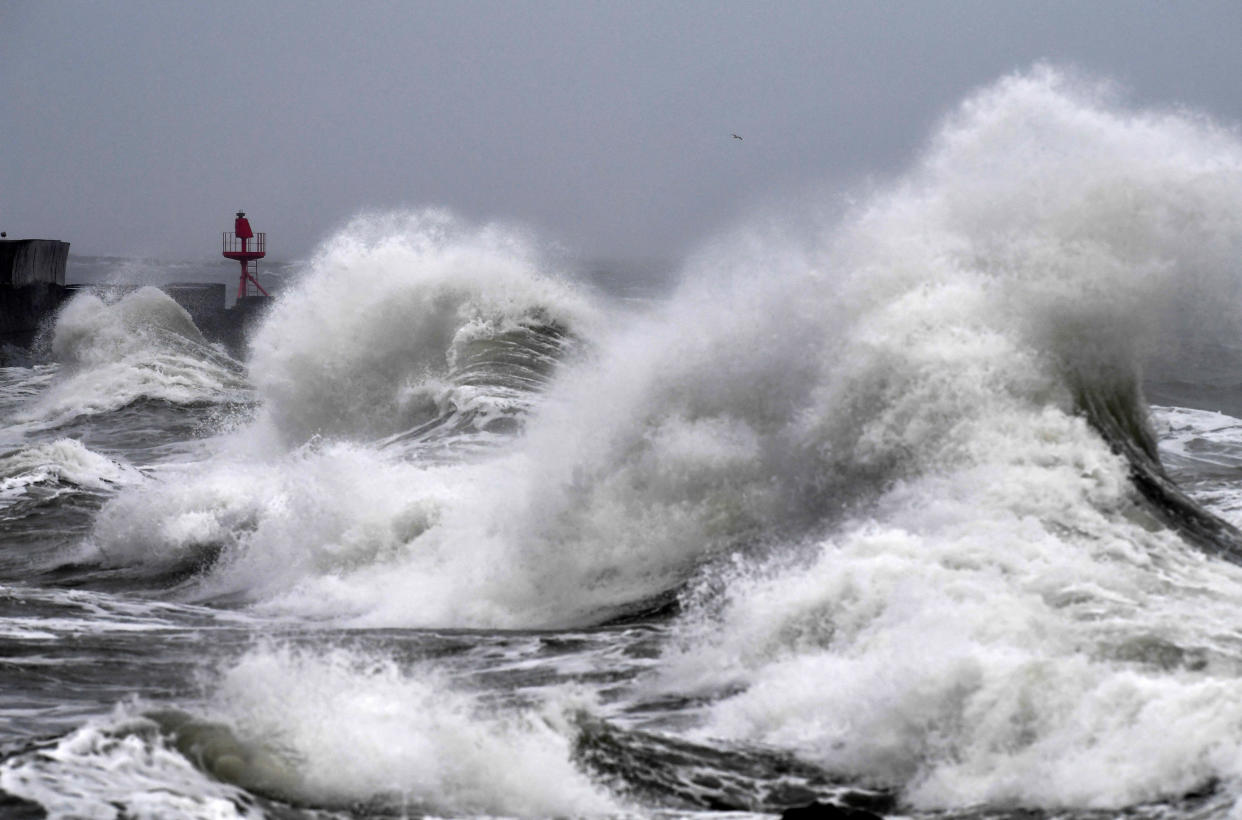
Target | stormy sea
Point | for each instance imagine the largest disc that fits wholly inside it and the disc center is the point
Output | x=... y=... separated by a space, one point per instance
x=922 y=503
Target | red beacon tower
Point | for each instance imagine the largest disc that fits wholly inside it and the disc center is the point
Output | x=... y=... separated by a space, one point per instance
x=247 y=247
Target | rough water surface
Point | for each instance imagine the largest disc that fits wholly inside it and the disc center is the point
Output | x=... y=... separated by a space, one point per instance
x=874 y=513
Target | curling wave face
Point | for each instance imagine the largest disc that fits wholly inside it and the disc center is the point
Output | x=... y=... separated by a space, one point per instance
x=406 y=319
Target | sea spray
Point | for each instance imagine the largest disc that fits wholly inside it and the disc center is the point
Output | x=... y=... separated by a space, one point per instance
x=253 y=527
x=1006 y=620
x=90 y=329
x=343 y=730
x=442 y=332
x=365 y=344
x=140 y=346
x=56 y=466
x=844 y=507
x=355 y=727
x=786 y=387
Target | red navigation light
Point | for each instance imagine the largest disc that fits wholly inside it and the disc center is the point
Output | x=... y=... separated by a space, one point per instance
x=247 y=247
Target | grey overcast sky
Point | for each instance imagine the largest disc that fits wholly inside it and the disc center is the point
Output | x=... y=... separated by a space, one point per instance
x=137 y=128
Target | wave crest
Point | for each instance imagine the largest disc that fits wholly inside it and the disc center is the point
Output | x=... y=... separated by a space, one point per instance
x=378 y=336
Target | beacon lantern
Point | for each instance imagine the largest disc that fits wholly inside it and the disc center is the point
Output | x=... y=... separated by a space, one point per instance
x=247 y=248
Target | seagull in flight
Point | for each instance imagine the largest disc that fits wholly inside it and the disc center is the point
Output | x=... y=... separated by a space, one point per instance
x=736 y=137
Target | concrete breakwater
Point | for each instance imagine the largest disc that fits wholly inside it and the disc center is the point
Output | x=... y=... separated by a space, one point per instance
x=32 y=289
x=32 y=284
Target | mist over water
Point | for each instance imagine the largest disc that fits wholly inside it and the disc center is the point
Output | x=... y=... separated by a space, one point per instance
x=861 y=498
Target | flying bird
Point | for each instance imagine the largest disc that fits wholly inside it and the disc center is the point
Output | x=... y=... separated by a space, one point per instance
x=736 y=137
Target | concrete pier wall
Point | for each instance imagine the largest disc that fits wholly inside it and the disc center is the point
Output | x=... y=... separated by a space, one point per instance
x=30 y=261
x=23 y=309
x=204 y=301
x=32 y=285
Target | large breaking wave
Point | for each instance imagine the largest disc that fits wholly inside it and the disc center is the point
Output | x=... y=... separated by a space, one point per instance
x=1020 y=611
x=896 y=469
x=980 y=325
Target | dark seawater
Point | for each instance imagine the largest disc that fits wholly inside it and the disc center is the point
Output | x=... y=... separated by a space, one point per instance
x=927 y=512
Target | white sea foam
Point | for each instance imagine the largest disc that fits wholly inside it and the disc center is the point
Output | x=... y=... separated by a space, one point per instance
x=1002 y=622
x=141 y=346
x=61 y=462
x=353 y=727
x=320 y=511
x=331 y=728
x=362 y=346
x=109 y=769
x=942 y=577
x=789 y=378
x=343 y=529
